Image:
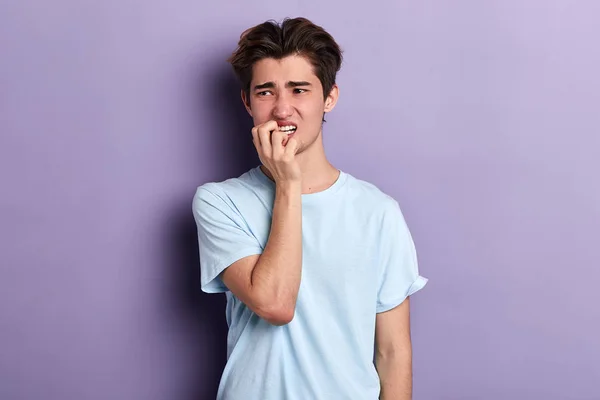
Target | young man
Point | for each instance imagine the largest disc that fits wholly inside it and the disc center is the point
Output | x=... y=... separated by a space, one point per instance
x=317 y=266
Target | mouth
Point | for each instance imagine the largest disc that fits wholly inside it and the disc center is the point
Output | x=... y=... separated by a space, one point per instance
x=287 y=127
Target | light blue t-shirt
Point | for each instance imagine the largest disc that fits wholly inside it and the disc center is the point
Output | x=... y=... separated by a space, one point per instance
x=358 y=259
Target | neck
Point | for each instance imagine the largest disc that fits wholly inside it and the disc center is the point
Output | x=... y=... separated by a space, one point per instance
x=318 y=173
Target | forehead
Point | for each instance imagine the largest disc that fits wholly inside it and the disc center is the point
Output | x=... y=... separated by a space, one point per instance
x=291 y=68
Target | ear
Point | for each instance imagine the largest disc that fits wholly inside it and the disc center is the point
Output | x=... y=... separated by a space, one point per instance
x=246 y=101
x=332 y=98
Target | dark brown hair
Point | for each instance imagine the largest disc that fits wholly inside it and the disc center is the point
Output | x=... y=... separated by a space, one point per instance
x=294 y=36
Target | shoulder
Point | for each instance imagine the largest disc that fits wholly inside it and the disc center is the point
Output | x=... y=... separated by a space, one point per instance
x=385 y=212
x=372 y=196
x=226 y=193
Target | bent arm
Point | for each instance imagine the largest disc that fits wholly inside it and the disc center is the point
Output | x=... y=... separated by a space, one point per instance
x=268 y=284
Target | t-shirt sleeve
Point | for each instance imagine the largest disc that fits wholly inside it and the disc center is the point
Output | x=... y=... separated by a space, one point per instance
x=399 y=277
x=223 y=238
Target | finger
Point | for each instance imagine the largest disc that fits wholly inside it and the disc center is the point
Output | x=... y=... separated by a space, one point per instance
x=264 y=133
x=291 y=147
x=285 y=140
x=255 y=138
x=277 y=143
x=264 y=138
x=270 y=125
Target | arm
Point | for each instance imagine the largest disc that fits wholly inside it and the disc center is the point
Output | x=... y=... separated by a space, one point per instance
x=393 y=357
x=268 y=284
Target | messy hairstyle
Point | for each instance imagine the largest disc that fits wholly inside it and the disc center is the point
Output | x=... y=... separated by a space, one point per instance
x=294 y=36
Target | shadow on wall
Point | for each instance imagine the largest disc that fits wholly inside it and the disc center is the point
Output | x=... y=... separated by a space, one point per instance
x=204 y=314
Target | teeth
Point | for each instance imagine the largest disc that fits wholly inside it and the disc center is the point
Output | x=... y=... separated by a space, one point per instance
x=288 y=128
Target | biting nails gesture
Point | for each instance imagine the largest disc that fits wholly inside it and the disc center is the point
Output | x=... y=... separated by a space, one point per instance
x=277 y=152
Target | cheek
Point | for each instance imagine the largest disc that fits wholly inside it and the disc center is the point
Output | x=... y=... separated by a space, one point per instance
x=261 y=111
x=310 y=109
x=316 y=112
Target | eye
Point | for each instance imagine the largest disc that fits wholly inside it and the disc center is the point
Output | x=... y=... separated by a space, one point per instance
x=263 y=93
x=298 y=90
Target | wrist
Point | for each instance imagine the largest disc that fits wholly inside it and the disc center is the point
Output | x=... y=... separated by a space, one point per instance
x=290 y=188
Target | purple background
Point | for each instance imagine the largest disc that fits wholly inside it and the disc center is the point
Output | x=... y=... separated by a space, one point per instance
x=481 y=118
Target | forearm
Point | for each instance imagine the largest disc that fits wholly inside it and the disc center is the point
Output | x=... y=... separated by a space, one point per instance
x=276 y=276
x=395 y=375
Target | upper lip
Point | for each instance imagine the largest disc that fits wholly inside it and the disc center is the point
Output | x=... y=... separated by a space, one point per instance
x=286 y=123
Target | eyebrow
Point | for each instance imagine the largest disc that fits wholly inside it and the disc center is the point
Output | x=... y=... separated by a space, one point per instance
x=271 y=85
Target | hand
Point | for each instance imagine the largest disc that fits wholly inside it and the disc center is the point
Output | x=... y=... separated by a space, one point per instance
x=277 y=152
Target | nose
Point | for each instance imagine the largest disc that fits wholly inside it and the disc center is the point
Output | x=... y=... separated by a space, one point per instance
x=282 y=108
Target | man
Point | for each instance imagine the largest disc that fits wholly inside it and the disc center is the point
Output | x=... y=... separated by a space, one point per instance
x=317 y=266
